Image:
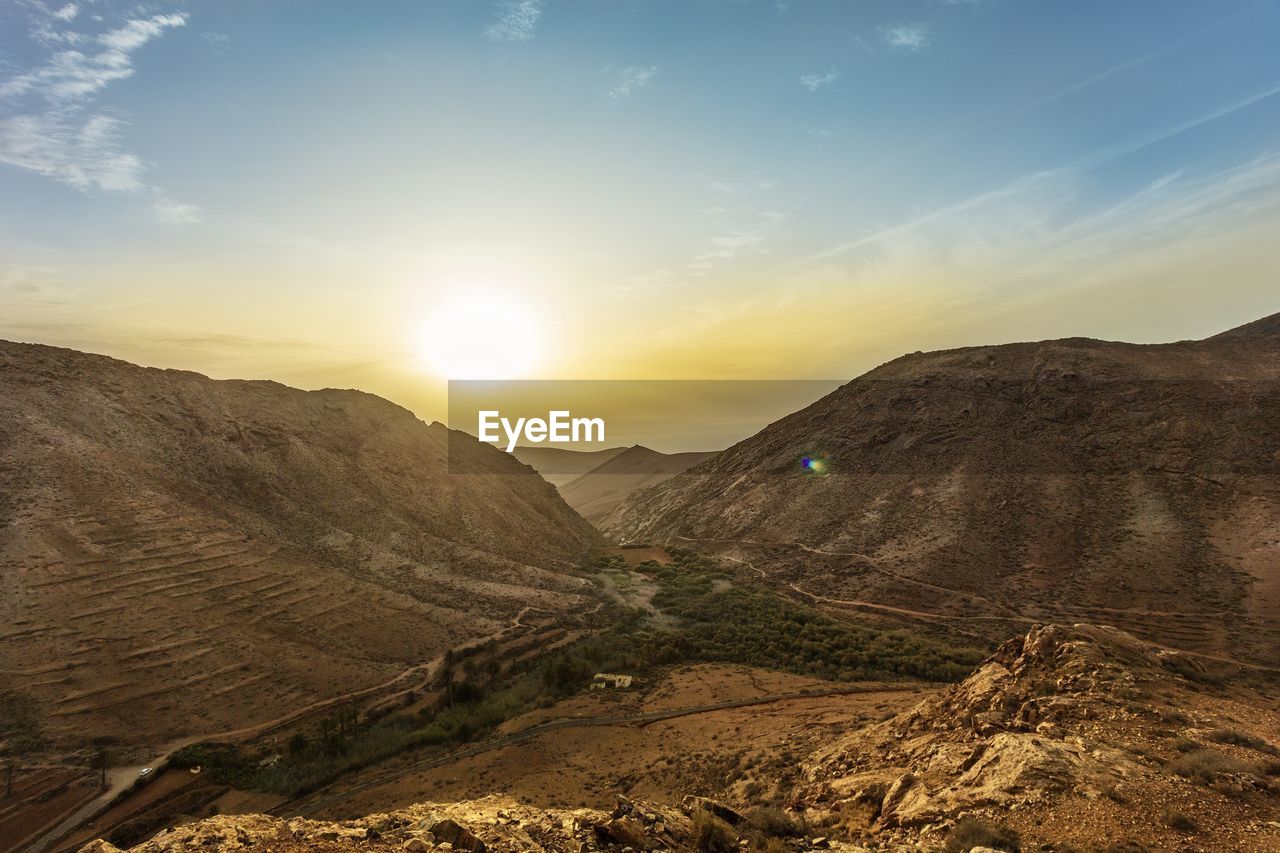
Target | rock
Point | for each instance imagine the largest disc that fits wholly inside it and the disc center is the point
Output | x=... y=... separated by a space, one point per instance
x=720 y=810
x=457 y=836
x=416 y=845
x=100 y=846
x=889 y=806
x=626 y=831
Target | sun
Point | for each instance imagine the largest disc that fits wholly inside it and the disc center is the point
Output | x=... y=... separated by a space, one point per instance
x=481 y=336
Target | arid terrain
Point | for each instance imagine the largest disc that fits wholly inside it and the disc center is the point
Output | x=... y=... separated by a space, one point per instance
x=1069 y=738
x=322 y=639
x=984 y=489
x=183 y=557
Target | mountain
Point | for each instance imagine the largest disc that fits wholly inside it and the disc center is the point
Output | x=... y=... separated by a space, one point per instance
x=983 y=488
x=183 y=556
x=558 y=466
x=596 y=493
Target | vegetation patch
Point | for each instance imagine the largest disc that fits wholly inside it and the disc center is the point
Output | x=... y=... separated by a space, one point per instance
x=708 y=616
x=971 y=832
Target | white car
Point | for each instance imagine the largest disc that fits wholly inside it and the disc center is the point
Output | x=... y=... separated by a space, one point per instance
x=145 y=772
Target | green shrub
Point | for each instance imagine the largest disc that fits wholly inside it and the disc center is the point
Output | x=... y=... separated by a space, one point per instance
x=971 y=832
x=712 y=835
x=1206 y=765
x=773 y=822
x=1178 y=821
x=1238 y=738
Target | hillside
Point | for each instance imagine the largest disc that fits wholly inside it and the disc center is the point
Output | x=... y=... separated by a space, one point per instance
x=596 y=493
x=558 y=466
x=1071 y=737
x=1067 y=738
x=184 y=556
x=984 y=488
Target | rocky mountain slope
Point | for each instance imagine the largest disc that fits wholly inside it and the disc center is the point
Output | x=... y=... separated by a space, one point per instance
x=596 y=493
x=1074 y=736
x=186 y=556
x=990 y=487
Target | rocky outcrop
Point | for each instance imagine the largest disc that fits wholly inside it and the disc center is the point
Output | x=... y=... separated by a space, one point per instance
x=1053 y=714
x=495 y=823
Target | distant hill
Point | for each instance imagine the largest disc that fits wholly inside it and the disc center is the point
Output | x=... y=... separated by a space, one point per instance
x=596 y=493
x=183 y=555
x=983 y=488
x=558 y=466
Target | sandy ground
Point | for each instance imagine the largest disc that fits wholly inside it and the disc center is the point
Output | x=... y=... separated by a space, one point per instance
x=714 y=753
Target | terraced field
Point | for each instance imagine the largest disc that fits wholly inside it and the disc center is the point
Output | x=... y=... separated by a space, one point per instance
x=161 y=612
x=185 y=558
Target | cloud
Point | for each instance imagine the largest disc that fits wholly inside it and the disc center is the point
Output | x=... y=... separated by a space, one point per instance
x=218 y=42
x=906 y=36
x=631 y=79
x=517 y=20
x=814 y=82
x=72 y=74
x=175 y=212
x=82 y=151
x=50 y=123
x=34 y=284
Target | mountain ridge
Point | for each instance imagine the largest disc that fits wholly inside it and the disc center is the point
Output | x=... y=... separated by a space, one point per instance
x=1056 y=480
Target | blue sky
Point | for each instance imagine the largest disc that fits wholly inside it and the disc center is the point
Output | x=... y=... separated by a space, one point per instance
x=706 y=187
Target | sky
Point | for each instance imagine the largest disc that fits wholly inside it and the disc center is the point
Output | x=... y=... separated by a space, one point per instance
x=386 y=195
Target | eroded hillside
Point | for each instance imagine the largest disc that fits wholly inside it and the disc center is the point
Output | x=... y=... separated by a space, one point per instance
x=991 y=487
x=183 y=556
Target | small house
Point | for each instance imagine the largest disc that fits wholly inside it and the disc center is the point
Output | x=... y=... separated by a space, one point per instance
x=606 y=681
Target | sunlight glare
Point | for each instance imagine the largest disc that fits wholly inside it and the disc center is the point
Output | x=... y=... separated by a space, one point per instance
x=481 y=336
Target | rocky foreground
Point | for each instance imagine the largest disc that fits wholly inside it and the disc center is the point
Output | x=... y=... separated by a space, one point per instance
x=1075 y=736
x=1070 y=738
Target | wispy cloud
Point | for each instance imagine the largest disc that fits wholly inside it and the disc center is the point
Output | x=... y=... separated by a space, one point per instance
x=218 y=42
x=51 y=125
x=175 y=212
x=906 y=36
x=1071 y=174
x=630 y=79
x=517 y=20
x=814 y=82
x=33 y=284
x=78 y=150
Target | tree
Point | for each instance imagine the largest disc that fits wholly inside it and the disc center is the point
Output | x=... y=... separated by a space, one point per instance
x=298 y=744
x=99 y=761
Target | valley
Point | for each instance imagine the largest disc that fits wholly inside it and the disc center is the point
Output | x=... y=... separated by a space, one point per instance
x=270 y=618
